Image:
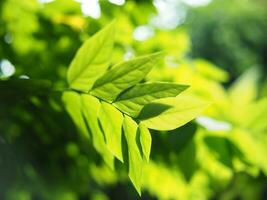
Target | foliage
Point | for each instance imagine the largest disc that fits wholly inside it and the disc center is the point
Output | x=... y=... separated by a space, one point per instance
x=236 y=29
x=104 y=97
x=67 y=124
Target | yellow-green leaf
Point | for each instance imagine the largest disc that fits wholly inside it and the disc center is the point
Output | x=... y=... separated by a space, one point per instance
x=133 y=100
x=178 y=112
x=145 y=140
x=123 y=76
x=111 y=121
x=72 y=101
x=91 y=107
x=134 y=155
x=244 y=89
x=91 y=60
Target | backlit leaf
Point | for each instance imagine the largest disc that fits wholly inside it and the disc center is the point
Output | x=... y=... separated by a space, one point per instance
x=135 y=158
x=181 y=110
x=244 y=89
x=91 y=60
x=72 y=101
x=133 y=100
x=91 y=107
x=145 y=140
x=111 y=121
x=123 y=76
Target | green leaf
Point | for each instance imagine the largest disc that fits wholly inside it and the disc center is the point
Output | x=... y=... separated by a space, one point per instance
x=178 y=112
x=24 y=87
x=256 y=115
x=91 y=107
x=123 y=76
x=242 y=93
x=111 y=121
x=145 y=140
x=244 y=89
x=210 y=71
x=133 y=100
x=135 y=158
x=91 y=60
x=72 y=101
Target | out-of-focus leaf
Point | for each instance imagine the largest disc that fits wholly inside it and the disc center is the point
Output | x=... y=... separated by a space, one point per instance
x=182 y=109
x=256 y=153
x=210 y=71
x=13 y=89
x=256 y=117
x=145 y=140
x=72 y=101
x=91 y=60
x=244 y=90
x=91 y=107
x=134 y=154
x=242 y=93
x=133 y=100
x=111 y=121
x=209 y=159
x=123 y=76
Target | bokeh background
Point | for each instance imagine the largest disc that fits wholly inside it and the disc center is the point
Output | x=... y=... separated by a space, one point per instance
x=219 y=47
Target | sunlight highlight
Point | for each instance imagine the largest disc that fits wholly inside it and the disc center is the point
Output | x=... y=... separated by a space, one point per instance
x=213 y=125
x=142 y=33
x=117 y=2
x=6 y=68
x=91 y=8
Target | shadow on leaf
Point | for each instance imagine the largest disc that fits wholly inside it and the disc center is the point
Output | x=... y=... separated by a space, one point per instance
x=153 y=109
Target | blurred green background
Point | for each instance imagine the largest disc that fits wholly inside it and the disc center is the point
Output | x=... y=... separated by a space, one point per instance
x=218 y=47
